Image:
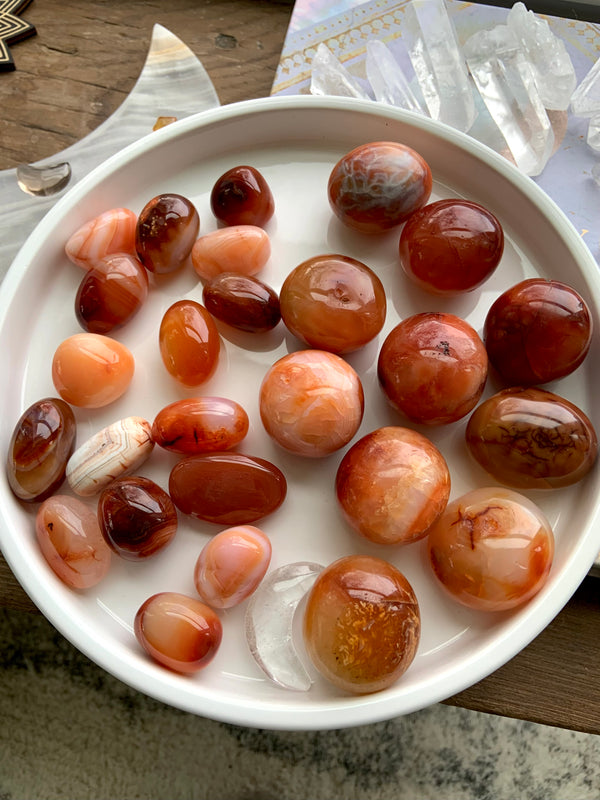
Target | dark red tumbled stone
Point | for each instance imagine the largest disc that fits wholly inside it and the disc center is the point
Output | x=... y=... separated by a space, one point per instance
x=227 y=488
x=137 y=517
x=41 y=444
x=242 y=301
x=167 y=228
x=241 y=196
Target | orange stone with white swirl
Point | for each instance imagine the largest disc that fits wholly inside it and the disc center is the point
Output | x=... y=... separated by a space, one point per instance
x=311 y=402
x=111 y=232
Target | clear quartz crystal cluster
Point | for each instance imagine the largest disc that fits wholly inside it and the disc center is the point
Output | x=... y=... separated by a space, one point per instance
x=518 y=70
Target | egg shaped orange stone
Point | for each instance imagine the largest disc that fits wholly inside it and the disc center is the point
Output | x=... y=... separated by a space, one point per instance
x=362 y=624
x=91 y=370
x=189 y=342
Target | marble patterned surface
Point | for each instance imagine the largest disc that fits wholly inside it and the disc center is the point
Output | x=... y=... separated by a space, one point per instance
x=69 y=730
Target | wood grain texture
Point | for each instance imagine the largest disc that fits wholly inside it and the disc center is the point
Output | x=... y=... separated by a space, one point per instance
x=69 y=78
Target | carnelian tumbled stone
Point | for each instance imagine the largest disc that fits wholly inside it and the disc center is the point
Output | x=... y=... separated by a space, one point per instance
x=91 y=370
x=137 y=517
x=231 y=565
x=178 y=631
x=227 y=488
x=362 y=624
x=70 y=539
x=537 y=331
x=200 y=425
x=451 y=246
x=491 y=549
x=532 y=439
x=392 y=485
x=40 y=446
x=333 y=302
x=311 y=402
x=433 y=368
x=111 y=293
x=241 y=196
x=113 y=231
x=166 y=230
x=243 y=302
x=378 y=185
x=189 y=342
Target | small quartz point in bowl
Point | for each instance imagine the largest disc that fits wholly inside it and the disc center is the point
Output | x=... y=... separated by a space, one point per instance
x=270 y=624
x=506 y=83
x=438 y=62
x=330 y=77
x=387 y=78
x=552 y=67
x=585 y=101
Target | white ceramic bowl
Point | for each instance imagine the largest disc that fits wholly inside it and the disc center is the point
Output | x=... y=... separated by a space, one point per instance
x=294 y=141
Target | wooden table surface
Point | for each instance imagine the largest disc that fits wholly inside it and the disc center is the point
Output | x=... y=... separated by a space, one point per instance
x=71 y=76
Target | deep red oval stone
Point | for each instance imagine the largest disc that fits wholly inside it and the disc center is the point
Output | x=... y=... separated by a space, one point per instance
x=227 y=488
x=41 y=444
x=242 y=301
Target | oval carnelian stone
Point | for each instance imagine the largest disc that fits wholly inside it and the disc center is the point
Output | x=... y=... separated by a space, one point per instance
x=227 y=488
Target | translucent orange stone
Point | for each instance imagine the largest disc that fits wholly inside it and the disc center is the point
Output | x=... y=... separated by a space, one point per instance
x=333 y=303
x=491 y=549
x=166 y=230
x=189 y=342
x=69 y=537
x=311 y=402
x=362 y=624
x=242 y=249
x=200 y=425
x=113 y=231
x=177 y=631
x=91 y=370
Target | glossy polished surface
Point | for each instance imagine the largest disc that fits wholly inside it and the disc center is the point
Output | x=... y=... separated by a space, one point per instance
x=111 y=293
x=362 y=624
x=189 y=342
x=334 y=303
x=243 y=302
x=532 y=439
x=91 y=370
x=137 y=517
x=242 y=249
x=231 y=565
x=111 y=232
x=177 y=631
x=433 y=368
x=200 y=425
x=376 y=186
x=40 y=446
x=113 y=451
x=227 y=488
x=392 y=485
x=311 y=402
x=241 y=196
x=69 y=536
x=166 y=230
x=491 y=549
x=537 y=331
x=451 y=246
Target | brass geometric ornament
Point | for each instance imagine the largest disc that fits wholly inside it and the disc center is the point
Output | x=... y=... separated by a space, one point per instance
x=12 y=29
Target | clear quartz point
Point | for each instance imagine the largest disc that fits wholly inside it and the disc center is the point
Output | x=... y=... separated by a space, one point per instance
x=330 y=77
x=42 y=181
x=438 y=62
x=553 y=69
x=585 y=101
x=506 y=84
x=270 y=624
x=593 y=133
x=387 y=78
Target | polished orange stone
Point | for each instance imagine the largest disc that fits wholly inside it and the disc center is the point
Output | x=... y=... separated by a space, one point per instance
x=200 y=425
x=362 y=624
x=189 y=342
x=227 y=488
